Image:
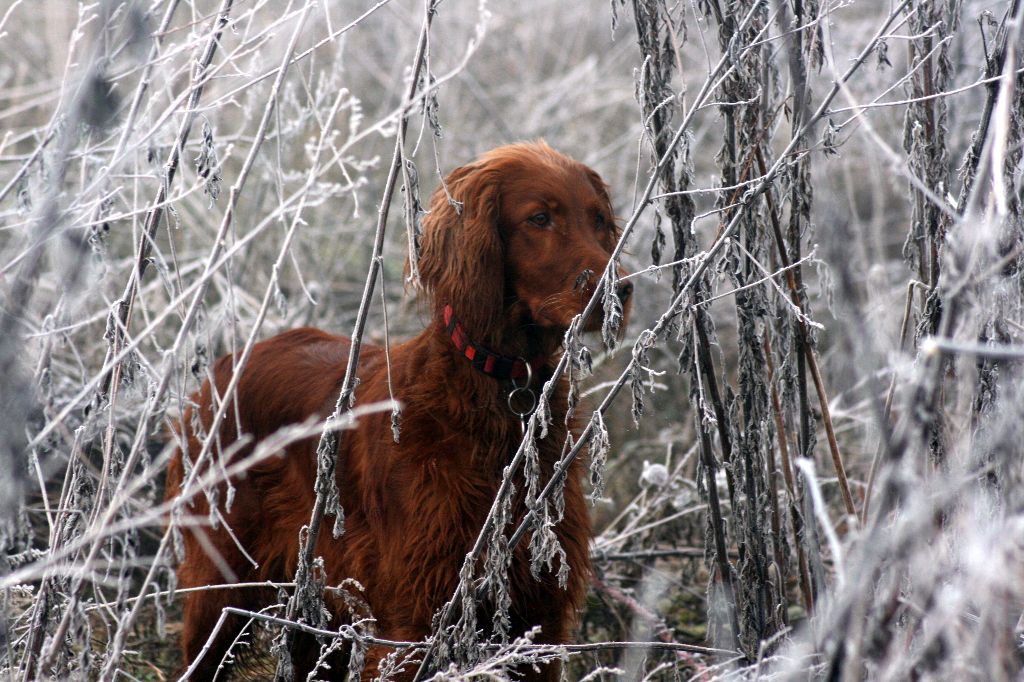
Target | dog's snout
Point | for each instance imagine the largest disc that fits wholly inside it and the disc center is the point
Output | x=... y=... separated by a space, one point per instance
x=624 y=291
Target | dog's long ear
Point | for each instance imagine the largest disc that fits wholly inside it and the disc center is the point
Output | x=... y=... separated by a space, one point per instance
x=461 y=260
x=602 y=191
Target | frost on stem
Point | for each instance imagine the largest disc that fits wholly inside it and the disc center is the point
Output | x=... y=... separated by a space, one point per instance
x=599 y=447
x=461 y=646
x=325 y=484
x=612 y=308
x=414 y=213
x=531 y=464
x=201 y=359
x=544 y=545
x=658 y=36
x=428 y=106
x=542 y=414
x=326 y=649
x=396 y=423
x=581 y=364
x=496 y=563
x=615 y=4
x=207 y=165
x=925 y=133
x=830 y=139
x=637 y=368
x=309 y=591
x=357 y=656
x=557 y=493
x=882 y=55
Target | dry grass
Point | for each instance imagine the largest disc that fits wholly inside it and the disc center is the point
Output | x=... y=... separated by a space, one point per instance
x=813 y=422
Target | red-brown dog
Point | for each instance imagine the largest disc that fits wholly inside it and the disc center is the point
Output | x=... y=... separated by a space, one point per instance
x=505 y=274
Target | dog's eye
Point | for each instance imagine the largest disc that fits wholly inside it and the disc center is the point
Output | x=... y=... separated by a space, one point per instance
x=540 y=219
x=601 y=221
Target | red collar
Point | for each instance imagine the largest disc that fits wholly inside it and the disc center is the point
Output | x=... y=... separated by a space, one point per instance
x=484 y=359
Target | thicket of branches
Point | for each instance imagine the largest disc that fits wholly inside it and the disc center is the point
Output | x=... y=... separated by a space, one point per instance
x=805 y=450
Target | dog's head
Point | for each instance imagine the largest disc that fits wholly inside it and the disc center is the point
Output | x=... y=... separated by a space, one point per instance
x=528 y=236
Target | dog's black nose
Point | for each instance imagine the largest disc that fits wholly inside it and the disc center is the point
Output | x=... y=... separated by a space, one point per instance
x=624 y=291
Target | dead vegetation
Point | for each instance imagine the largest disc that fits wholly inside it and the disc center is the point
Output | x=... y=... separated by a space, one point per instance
x=806 y=449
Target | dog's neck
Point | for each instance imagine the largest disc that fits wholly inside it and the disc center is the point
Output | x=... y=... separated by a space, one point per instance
x=518 y=337
x=481 y=403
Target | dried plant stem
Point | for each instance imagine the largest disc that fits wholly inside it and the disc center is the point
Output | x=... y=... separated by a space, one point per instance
x=685 y=290
x=724 y=574
x=128 y=618
x=795 y=519
x=52 y=128
x=833 y=444
x=778 y=554
x=887 y=409
x=682 y=552
x=949 y=300
x=41 y=611
x=995 y=66
x=45 y=222
x=125 y=305
x=698 y=271
x=706 y=366
x=812 y=361
x=327 y=448
x=241 y=357
x=350 y=633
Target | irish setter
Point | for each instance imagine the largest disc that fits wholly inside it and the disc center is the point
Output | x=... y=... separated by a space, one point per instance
x=510 y=253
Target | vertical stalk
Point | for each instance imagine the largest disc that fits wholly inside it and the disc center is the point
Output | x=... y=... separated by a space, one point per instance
x=327 y=450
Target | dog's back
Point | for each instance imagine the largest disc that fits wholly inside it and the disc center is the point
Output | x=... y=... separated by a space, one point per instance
x=286 y=380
